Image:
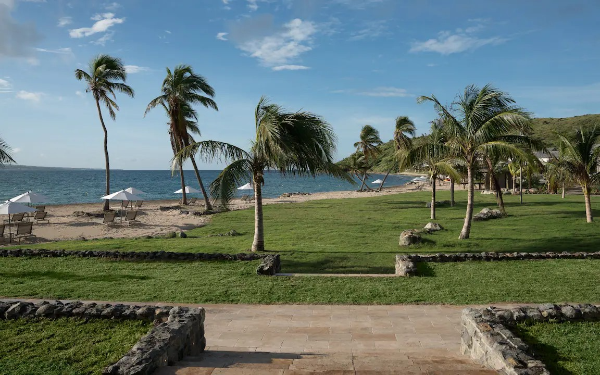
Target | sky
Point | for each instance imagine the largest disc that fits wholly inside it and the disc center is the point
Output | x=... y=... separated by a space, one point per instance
x=353 y=62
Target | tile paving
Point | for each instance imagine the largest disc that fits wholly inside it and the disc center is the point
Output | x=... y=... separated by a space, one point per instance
x=330 y=340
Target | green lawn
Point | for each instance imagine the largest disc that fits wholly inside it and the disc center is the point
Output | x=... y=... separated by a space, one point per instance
x=236 y=282
x=361 y=235
x=569 y=348
x=65 y=346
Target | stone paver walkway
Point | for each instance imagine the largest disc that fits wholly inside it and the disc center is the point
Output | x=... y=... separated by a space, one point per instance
x=331 y=340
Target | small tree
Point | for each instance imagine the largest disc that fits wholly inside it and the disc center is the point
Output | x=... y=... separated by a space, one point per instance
x=369 y=146
x=404 y=130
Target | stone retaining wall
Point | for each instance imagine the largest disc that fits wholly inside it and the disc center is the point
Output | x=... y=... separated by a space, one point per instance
x=406 y=263
x=486 y=336
x=270 y=265
x=177 y=331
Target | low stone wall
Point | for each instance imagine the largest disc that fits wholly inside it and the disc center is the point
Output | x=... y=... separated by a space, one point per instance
x=406 y=263
x=486 y=336
x=177 y=331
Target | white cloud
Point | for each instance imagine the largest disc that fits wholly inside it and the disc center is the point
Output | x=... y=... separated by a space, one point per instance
x=112 y=6
x=31 y=96
x=460 y=41
x=132 y=69
x=370 y=30
x=107 y=37
x=358 y=4
x=252 y=5
x=60 y=51
x=103 y=23
x=64 y=21
x=167 y=31
x=221 y=36
x=290 y=67
x=5 y=86
x=225 y=2
x=279 y=48
x=80 y=94
x=16 y=150
x=382 y=92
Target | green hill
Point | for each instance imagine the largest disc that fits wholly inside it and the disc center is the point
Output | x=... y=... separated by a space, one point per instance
x=543 y=129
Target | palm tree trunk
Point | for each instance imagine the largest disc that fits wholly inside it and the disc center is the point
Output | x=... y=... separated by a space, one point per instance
x=520 y=184
x=363 y=181
x=206 y=199
x=563 y=190
x=433 y=177
x=385 y=178
x=183 y=194
x=451 y=192
x=107 y=164
x=588 y=203
x=514 y=183
x=466 y=229
x=259 y=231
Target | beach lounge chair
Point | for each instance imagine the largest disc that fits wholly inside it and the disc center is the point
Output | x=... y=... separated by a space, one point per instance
x=138 y=204
x=192 y=200
x=24 y=231
x=130 y=217
x=2 y=233
x=125 y=204
x=40 y=208
x=41 y=216
x=16 y=218
x=109 y=218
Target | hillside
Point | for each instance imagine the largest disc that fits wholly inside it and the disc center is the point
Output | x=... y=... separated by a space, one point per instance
x=543 y=129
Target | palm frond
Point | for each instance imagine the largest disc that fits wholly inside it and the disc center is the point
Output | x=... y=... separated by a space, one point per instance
x=5 y=150
x=223 y=188
x=213 y=150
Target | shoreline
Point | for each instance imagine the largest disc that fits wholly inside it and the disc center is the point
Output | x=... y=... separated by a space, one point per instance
x=65 y=225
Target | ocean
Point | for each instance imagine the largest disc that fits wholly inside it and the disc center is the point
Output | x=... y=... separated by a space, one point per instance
x=87 y=186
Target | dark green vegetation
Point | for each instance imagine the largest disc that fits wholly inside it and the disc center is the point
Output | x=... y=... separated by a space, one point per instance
x=65 y=346
x=339 y=236
x=569 y=348
x=543 y=129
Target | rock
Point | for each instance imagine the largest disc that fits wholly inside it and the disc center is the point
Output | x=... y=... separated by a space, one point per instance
x=46 y=310
x=171 y=235
x=19 y=310
x=405 y=266
x=233 y=232
x=182 y=234
x=487 y=214
x=270 y=265
x=433 y=227
x=410 y=237
x=145 y=313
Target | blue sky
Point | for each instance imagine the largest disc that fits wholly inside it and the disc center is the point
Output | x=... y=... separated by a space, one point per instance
x=354 y=62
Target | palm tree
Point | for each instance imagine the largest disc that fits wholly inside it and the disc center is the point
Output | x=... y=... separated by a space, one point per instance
x=369 y=146
x=5 y=157
x=514 y=168
x=482 y=120
x=296 y=143
x=180 y=89
x=580 y=155
x=355 y=165
x=434 y=156
x=402 y=143
x=102 y=80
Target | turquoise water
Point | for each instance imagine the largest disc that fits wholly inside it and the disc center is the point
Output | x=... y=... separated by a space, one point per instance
x=87 y=186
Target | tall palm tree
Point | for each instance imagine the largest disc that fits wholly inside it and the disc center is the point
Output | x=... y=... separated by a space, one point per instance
x=102 y=80
x=180 y=89
x=404 y=130
x=5 y=157
x=433 y=155
x=296 y=143
x=481 y=120
x=369 y=146
x=355 y=165
x=580 y=155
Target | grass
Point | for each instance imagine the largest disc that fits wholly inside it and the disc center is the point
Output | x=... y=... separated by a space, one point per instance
x=569 y=348
x=361 y=235
x=65 y=346
x=235 y=282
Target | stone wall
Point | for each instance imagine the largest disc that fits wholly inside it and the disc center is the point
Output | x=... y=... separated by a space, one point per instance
x=177 y=331
x=406 y=263
x=487 y=338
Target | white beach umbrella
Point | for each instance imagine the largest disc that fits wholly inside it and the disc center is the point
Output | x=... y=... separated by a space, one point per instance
x=122 y=195
x=135 y=191
x=378 y=181
x=248 y=186
x=9 y=208
x=30 y=197
x=188 y=189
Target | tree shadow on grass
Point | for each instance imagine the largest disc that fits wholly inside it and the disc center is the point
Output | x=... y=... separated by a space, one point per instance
x=424 y=269
x=544 y=352
x=69 y=276
x=341 y=263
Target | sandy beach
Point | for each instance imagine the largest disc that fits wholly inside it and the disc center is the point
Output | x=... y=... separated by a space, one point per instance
x=65 y=225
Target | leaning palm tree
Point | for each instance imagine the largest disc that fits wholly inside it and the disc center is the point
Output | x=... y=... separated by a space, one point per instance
x=102 y=80
x=580 y=155
x=405 y=129
x=434 y=156
x=180 y=89
x=5 y=157
x=294 y=143
x=479 y=121
x=369 y=146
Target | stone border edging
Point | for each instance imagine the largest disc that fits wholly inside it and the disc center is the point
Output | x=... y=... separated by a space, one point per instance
x=177 y=332
x=270 y=263
x=406 y=263
x=488 y=340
